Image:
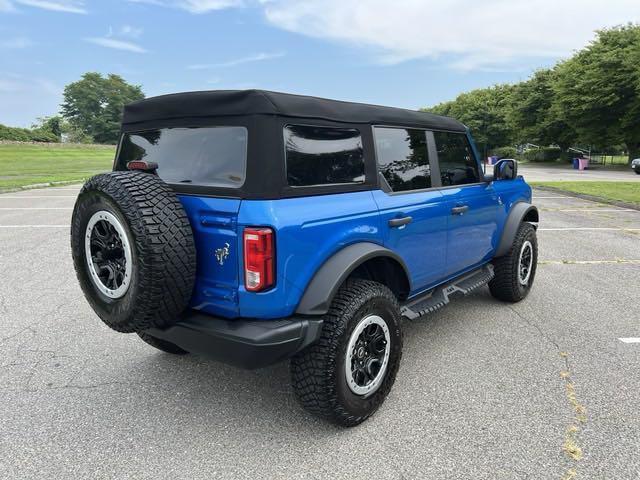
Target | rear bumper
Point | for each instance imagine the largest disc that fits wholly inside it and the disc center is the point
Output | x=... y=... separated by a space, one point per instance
x=245 y=343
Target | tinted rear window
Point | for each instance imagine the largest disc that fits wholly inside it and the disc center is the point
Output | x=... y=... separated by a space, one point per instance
x=210 y=156
x=323 y=155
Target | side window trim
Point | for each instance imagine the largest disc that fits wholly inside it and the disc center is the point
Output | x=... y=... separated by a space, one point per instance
x=436 y=179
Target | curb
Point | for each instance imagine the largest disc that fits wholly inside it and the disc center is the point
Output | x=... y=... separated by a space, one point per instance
x=40 y=185
x=585 y=196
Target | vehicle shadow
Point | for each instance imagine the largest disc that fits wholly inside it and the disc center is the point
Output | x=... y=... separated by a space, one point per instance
x=205 y=394
x=216 y=394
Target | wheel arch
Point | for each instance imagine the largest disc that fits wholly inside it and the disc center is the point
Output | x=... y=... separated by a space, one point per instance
x=363 y=260
x=520 y=212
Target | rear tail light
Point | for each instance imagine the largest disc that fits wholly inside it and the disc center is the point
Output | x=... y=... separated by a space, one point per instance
x=259 y=259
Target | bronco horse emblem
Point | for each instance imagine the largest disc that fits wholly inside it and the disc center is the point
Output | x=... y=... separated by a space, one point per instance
x=222 y=253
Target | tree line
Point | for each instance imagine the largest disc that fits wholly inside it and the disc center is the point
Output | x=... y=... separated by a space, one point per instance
x=91 y=112
x=591 y=99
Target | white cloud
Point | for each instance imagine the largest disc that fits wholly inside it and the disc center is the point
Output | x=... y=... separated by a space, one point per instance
x=6 y=6
x=16 y=43
x=109 y=42
x=69 y=6
x=492 y=34
x=130 y=31
x=258 y=57
x=195 y=6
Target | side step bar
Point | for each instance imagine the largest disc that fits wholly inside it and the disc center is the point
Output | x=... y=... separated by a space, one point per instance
x=438 y=297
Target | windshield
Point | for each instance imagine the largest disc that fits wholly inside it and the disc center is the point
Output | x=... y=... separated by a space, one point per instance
x=208 y=156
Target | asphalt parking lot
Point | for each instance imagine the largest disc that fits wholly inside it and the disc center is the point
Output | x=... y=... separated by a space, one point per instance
x=486 y=390
x=545 y=172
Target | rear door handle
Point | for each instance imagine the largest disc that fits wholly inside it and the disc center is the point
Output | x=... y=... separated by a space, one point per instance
x=398 y=222
x=459 y=210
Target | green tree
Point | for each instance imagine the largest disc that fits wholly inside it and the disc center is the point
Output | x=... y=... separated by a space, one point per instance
x=534 y=114
x=485 y=111
x=50 y=124
x=598 y=89
x=93 y=105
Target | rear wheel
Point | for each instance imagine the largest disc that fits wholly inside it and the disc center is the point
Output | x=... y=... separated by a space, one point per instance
x=348 y=373
x=516 y=271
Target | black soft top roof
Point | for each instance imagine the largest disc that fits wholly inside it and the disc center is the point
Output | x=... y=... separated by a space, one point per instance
x=221 y=103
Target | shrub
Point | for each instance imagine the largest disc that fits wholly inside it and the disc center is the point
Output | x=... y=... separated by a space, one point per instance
x=41 y=135
x=504 y=152
x=546 y=154
x=27 y=135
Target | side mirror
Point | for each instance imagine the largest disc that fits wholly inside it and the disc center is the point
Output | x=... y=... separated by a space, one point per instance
x=505 y=169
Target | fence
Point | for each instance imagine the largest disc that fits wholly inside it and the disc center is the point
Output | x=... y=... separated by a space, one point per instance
x=608 y=159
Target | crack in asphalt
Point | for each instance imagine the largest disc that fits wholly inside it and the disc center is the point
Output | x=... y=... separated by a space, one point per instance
x=32 y=361
x=570 y=446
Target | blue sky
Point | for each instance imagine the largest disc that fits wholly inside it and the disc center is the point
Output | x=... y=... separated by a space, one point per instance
x=407 y=53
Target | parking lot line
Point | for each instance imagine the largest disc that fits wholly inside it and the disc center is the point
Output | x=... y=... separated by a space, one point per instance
x=588 y=262
x=588 y=210
x=630 y=339
x=588 y=229
x=36 y=208
x=35 y=226
x=535 y=197
x=22 y=197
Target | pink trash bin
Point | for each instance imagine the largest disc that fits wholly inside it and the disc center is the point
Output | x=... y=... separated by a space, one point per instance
x=583 y=163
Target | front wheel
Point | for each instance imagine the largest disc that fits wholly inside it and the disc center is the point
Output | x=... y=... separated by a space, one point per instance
x=637 y=170
x=348 y=373
x=516 y=271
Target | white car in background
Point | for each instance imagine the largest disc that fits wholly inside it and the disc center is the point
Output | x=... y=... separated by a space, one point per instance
x=635 y=164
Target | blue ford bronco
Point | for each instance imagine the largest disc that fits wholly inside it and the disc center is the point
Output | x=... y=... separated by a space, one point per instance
x=253 y=226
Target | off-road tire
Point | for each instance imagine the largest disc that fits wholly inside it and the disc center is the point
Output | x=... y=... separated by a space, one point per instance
x=318 y=373
x=160 y=344
x=505 y=285
x=162 y=247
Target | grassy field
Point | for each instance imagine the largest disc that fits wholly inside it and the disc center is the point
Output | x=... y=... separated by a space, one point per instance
x=612 y=159
x=617 y=191
x=28 y=164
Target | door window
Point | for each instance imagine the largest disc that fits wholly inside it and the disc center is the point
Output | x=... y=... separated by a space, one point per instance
x=457 y=162
x=402 y=158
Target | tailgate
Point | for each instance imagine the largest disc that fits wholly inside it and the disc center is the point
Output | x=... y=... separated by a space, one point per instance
x=215 y=230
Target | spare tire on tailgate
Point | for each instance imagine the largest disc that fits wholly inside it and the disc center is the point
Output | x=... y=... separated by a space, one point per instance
x=133 y=250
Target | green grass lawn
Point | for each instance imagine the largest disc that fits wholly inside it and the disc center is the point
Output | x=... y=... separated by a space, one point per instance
x=28 y=164
x=620 y=191
x=614 y=159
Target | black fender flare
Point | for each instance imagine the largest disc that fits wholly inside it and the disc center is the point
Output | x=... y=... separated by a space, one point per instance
x=325 y=283
x=521 y=211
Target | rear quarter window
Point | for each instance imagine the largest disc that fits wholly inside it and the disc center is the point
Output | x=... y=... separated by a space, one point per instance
x=323 y=155
x=207 y=156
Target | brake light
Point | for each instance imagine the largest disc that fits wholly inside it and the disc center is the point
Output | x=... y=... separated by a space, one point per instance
x=259 y=256
x=142 y=165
